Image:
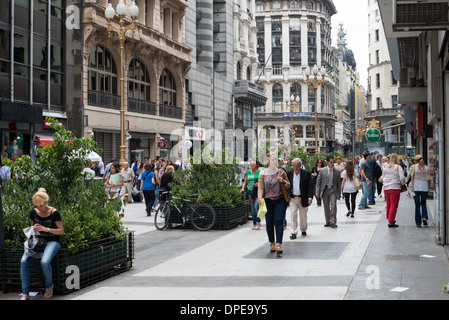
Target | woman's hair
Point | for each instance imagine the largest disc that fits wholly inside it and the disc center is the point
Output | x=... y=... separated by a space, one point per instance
x=116 y=166
x=148 y=166
x=394 y=159
x=40 y=198
x=350 y=169
x=169 y=169
x=266 y=163
x=319 y=160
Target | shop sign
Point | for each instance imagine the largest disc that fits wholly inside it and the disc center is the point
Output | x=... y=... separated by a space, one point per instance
x=373 y=135
x=195 y=133
x=161 y=144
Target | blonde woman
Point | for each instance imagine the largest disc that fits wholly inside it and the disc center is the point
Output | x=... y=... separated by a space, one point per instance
x=420 y=181
x=47 y=221
x=393 y=178
x=270 y=184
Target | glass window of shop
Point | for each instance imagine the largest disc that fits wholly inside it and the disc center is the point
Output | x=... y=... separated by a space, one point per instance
x=12 y=145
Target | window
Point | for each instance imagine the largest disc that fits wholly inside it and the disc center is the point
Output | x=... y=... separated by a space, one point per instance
x=278 y=99
x=377 y=57
x=295 y=40
x=276 y=6
x=294 y=5
x=295 y=90
x=310 y=131
x=167 y=89
x=378 y=80
x=295 y=55
x=276 y=40
x=138 y=81
x=276 y=24
x=310 y=5
x=102 y=71
x=295 y=24
x=394 y=101
x=299 y=131
x=259 y=6
x=393 y=80
x=377 y=34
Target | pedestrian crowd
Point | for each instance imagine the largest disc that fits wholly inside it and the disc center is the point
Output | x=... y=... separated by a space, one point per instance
x=271 y=190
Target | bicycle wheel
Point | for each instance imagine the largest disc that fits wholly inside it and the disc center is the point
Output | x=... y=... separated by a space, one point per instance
x=162 y=216
x=202 y=216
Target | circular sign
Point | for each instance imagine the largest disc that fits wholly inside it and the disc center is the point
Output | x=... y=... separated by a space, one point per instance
x=373 y=135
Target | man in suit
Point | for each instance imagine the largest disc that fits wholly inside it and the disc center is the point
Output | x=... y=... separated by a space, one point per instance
x=301 y=194
x=328 y=186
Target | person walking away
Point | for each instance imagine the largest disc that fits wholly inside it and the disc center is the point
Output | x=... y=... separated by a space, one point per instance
x=47 y=221
x=270 y=187
x=128 y=180
x=147 y=187
x=250 y=182
x=393 y=179
x=166 y=179
x=301 y=195
x=315 y=171
x=372 y=165
x=365 y=178
x=420 y=181
x=347 y=187
x=328 y=188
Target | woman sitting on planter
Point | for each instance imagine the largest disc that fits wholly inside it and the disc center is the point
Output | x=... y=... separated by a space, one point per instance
x=114 y=182
x=270 y=184
x=47 y=221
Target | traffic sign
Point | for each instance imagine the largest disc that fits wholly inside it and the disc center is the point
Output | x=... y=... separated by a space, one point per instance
x=373 y=135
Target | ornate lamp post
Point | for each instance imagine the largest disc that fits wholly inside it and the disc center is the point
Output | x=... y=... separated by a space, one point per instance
x=315 y=82
x=293 y=104
x=109 y=13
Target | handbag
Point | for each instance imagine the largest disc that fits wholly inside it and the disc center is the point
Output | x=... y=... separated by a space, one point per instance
x=357 y=183
x=403 y=186
x=285 y=192
x=262 y=209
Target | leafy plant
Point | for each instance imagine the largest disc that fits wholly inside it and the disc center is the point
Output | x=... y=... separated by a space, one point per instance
x=86 y=213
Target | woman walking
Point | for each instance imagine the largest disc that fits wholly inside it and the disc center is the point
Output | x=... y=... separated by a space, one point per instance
x=271 y=182
x=251 y=183
x=315 y=171
x=420 y=184
x=393 y=178
x=347 y=187
x=47 y=221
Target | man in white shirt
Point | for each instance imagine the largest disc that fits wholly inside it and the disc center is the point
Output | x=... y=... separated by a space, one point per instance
x=301 y=193
x=128 y=179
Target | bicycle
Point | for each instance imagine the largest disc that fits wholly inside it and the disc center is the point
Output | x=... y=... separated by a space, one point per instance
x=201 y=215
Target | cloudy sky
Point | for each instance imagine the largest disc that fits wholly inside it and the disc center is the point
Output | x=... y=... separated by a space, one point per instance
x=354 y=16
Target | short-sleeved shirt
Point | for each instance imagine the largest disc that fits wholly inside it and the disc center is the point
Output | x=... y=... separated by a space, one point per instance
x=252 y=178
x=47 y=222
x=367 y=169
x=146 y=177
x=349 y=184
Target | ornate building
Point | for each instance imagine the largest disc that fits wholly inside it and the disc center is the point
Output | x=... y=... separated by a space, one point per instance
x=292 y=35
x=156 y=61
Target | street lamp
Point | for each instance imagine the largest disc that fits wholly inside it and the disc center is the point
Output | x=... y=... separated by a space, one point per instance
x=109 y=13
x=293 y=104
x=315 y=82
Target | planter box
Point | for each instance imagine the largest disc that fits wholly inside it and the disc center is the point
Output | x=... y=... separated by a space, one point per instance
x=101 y=260
x=227 y=217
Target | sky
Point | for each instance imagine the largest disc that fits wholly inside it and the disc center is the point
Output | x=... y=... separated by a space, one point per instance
x=354 y=16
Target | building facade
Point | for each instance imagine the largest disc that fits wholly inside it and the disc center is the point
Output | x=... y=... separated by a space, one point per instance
x=382 y=92
x=292 y=35
x=156 y=60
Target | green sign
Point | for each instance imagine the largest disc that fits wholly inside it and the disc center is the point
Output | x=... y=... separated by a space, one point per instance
x=373 y=135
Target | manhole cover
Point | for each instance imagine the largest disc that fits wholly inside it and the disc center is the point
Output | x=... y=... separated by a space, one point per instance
x=302 y=250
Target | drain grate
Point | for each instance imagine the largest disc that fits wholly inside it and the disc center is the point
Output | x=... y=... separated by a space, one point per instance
x=302 y=250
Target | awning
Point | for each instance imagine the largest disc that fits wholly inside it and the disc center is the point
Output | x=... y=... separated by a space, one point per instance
x=44 y=140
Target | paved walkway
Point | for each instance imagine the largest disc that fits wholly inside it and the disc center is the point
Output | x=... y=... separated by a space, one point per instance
x=362 y=259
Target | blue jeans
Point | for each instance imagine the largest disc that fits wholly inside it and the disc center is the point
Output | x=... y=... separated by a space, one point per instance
x=420 y=205
x=50 y=251
x=254 y=207
x=156 y=196
x=366 y=192
x=274 y=219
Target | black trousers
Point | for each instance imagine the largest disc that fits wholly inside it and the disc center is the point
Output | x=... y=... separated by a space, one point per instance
x=352 y=196
x=149 y=196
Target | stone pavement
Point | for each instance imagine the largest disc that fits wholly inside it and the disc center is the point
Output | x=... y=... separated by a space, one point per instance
x=362 y=259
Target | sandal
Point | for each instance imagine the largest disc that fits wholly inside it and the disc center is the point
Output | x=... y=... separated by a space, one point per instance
x=272 y=247
x=25 y=297
x=279 y=249
x=49 y=293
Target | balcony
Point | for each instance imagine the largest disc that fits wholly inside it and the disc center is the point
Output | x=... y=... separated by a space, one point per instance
x=170 y=111
x=250 y=92
x=140 y=106
x=296 y=116
x=382 y=113
x=102 y=99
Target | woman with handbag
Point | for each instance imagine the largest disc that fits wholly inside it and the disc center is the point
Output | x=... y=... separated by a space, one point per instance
x=348 y=186
x=47 y=221
x=272 y=187
x=250 y=183
x=393 y=181
x=419 y=187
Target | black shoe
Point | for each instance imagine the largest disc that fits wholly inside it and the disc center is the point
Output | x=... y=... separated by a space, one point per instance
x=327 y=225
x=392 y=225
x=304 y=233
x=348 y=214
x=293 y=236
x=424 y=222
x=352 y=215
x=333 y=226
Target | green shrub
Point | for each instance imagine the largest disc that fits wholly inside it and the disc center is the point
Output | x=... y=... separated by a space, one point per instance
x=86 y=213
